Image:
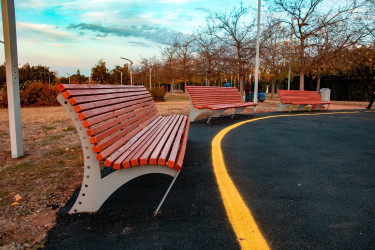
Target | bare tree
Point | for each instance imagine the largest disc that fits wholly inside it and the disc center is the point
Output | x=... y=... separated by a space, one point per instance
x=275 y=49
x=170 y=63
x=322 y=28
x=184 y=51
x=209 y=50
x=237 y=33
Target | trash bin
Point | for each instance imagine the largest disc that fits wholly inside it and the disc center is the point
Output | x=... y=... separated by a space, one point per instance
x=326 y=94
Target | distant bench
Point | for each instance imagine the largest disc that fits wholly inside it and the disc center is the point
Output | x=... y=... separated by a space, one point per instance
x=120 y=126
x=216 y=100
x=300 y=98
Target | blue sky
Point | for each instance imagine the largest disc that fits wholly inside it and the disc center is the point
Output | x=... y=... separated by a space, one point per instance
x=75 y=34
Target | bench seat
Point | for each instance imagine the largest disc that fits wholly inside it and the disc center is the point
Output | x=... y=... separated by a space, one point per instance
x=119 y=125
x=300 y=98
x=216 y=100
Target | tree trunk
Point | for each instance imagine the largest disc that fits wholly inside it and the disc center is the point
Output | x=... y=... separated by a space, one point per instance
x=273 y=88
x=172 y=85
x=318 y=83
x=301 y=80
x=242 y=85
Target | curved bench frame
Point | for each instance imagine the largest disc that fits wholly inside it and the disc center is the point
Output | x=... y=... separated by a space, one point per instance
x=95 y=190
x=300 y=106
x=215 y=111
x=194 y=112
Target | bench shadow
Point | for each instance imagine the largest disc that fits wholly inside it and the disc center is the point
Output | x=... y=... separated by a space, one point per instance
x=191 y=217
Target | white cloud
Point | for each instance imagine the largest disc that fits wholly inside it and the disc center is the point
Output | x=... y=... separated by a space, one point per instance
x=177 y=1
x=57 y=45
x=46 y=29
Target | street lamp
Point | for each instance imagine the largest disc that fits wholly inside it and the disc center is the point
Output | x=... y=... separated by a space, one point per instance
x=290 y=54
x=131 y=72
x=69 y=77
x=257 y=58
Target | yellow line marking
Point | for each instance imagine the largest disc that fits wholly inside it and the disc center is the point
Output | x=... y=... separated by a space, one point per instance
x=239 y=215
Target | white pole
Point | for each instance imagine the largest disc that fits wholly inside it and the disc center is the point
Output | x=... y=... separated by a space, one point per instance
x=290 y=55
x=11 y=59
x=131 y=71
x=69 y=77
x=257 y=58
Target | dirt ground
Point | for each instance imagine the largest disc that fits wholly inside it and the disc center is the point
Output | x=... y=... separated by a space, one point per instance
x=35 y=186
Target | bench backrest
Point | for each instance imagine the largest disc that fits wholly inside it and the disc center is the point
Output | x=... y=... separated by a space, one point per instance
x=297 y=95
x=205 y=95
x=112 y=114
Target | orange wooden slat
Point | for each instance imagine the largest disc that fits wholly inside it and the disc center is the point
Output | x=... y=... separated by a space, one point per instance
x=107 y=133
x=145 y=157
x=93 y=92
x=169 y=144
x=182 y=150
x=83 y=99
x=63 y=87
x=133 y=146
x=98 y=104
x=113 y=143
x=122 y=136
x=176 y=144
x=113 y=121
x=117 y=112
x=132 y=159
x=155 y=154
x=120 y=155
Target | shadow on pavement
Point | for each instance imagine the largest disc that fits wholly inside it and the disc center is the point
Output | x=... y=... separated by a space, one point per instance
x=308 y=180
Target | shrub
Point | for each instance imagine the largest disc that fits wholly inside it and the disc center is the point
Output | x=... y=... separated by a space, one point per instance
x=39 y=94
x=158 y=94
x=3 y=98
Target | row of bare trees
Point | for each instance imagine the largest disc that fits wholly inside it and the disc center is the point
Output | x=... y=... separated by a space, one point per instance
x=307 y=36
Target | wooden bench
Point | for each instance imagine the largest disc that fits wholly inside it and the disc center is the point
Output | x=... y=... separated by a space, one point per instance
x=300 y=98
x=120 y=126
x=216 y=100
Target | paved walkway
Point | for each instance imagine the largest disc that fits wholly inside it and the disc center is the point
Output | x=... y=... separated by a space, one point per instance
x=308 y=181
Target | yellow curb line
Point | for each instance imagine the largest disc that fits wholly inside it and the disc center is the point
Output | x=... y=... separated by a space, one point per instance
x=239 y=215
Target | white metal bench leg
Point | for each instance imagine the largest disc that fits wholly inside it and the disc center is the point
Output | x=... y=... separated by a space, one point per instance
x=318 y=106
x=165 y=195
x=194 y=113
x=215 y=113
x=282 y=106
x=238 y=111
x=300 y=107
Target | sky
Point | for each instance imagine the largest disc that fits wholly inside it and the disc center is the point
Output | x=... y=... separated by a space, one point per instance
x=67 y=35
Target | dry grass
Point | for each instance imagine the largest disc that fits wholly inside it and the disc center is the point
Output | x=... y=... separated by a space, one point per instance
x=34 y=187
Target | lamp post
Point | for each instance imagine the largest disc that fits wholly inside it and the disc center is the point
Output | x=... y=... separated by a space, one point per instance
x=131 y=72
x=69 y=76
x=257 y=59
x=290 y=54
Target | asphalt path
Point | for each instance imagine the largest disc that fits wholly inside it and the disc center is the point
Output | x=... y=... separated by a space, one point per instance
x=308 y=180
